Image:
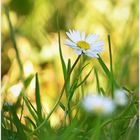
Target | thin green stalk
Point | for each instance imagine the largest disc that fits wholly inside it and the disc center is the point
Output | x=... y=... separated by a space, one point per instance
x=57 y=103
x=14 y=41
x=97 y=81
x=96 y=135
x=106 y=70
x=110 y=54
x=60 y=51
x=22 y=107
x=111 y=67
x=115 y=119
x=37 y=98
x=11 y=124
x=69 y=112
x=82 y=87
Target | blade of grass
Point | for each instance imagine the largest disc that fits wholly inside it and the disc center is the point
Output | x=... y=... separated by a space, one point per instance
x=14 y=42
x=30 y=104
x=72 y=90
x=22 y=108
x=111 y=67
x=102 y=91
x=38 y=100
x=20 y=132
x=110 y=54
x=60 y=51
x=58 y=101
x=68 y=81
x=96 y=135
x=115 y=119
x=75 y=82
x=74 y=85
x=30 y=108
x=68 y=92
x=11 y=123
x=30 y=120
x=27 y=81
x=97 y=80
x=107 y=72
x=85 y=78
x=62 y=106
x=131 y=126
x=77 y=74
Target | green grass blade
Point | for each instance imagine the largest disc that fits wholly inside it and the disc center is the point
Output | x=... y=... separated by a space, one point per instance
x=60 y=51
x=68 y=80
x=97 y=80
x=85 y=78
x=30 y=120
x=78 y=73
x=102 y=91
x=37 y=97
x=26 y=84
x=22 y=108
x=69 y=66
x=110 y=54
x=28 y=80
x=14 y=41
x=111 y=67
x=31 y=104
x=20 y=132
x=62 y=106
x=58 y=101
x=75 y=85
x=31 y=110
x=107 y=72
x=75 y=82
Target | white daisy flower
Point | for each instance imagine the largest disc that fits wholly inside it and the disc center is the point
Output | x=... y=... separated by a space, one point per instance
x=99 y=105
x=90 y=45
x=120 y=97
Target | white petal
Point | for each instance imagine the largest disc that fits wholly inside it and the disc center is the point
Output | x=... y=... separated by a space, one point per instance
x=99 y=43
x=78 y=51
x=70 y=36
x=97 y=47
x=91 y=38
x=83 y=36
x=73 y=35
x=70 y=43
x=78 y=37
x=90 y=54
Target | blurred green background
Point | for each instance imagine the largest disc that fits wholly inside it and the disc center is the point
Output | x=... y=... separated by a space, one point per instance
x=35 y=28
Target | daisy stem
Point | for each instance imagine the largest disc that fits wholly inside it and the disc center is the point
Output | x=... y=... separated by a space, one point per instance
x=57 y=103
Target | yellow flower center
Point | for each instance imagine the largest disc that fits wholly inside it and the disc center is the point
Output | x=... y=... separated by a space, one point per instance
x=83 y=44
x=99 y=109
